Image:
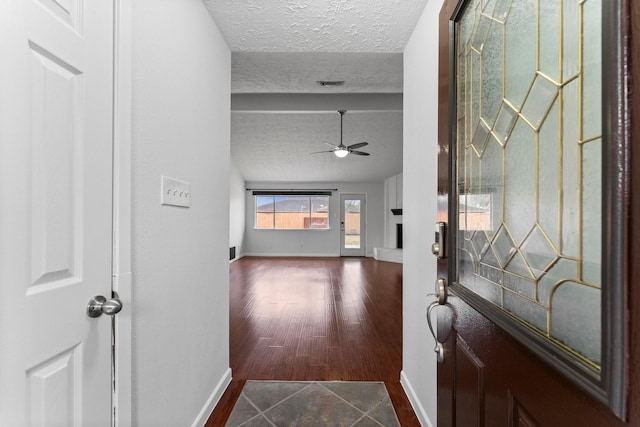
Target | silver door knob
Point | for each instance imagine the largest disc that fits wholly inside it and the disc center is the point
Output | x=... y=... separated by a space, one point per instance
x=99 y=305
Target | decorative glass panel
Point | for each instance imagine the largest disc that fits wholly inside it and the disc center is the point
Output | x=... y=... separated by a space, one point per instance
x=519 y=50
x=539 y=101
x=592 y=71
x=529 y=166
x=504 y=122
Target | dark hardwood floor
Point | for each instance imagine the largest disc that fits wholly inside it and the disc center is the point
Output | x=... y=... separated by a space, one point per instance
x=315 y=319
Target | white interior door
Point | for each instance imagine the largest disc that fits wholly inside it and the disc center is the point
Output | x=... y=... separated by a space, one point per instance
x=352 y=225
x=56 y=85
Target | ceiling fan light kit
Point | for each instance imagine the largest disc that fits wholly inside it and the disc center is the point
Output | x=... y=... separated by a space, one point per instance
x=343 y=150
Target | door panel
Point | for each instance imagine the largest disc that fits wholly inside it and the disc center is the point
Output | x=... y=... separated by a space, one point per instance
x=352 y=225
x=470 y=399
x=55 y=210
x=488 y=377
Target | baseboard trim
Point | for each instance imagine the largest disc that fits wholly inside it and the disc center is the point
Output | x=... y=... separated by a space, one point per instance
x=237 y=258
x=415 y=402
x=213 y=400
x=294 y=255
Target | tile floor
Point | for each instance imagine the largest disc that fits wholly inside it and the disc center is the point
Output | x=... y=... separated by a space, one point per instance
x=319 y=403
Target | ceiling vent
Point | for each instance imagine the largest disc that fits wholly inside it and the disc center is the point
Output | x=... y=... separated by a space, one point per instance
x=331 y=82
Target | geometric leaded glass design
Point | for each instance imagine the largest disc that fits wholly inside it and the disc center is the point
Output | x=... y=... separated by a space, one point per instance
x=529 y=164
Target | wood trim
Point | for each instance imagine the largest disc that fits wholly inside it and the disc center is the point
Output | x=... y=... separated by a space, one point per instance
x=471 y=369
x=518 y=415
x=616 y=188
x=632 y=313
x=446 y=403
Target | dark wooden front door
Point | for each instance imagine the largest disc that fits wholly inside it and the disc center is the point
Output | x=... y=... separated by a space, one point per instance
x=491 y=375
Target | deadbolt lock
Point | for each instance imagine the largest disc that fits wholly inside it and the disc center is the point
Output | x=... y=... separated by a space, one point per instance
x=438 y=248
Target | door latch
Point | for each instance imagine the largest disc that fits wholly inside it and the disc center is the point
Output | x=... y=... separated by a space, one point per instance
x=438 y=248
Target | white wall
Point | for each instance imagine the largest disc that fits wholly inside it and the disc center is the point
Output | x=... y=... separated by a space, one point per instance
x=181 y=93
x=236 y=210
x=392 y=200
x=419 y=210
x=315 y=242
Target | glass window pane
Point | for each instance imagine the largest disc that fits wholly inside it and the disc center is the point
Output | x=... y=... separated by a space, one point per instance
x=264 y=212
x=576 y=318
x=264 y=220
x=549 y=172
x=491 y=70
x=529 y=164
x=592 y=70
x=549 y=27
x=291 y=204
x=352 y=224
x=520 y=181
x=319 y=212
x=264 y=203
x=292 y=212
x=520 y=51
x=539 y=101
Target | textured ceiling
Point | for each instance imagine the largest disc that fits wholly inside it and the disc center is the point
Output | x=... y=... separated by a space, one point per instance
x=285 y=47
x=260 y=72
x=277 y=147
x=316 y=25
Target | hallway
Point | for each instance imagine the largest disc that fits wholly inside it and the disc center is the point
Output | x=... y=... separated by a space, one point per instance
x=315 y=319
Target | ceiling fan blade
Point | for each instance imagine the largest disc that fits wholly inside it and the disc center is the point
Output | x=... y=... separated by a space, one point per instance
x=358 y=145
x=342 y=150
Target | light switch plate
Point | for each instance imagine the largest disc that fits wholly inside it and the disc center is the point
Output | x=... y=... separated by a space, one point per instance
x=175 y=192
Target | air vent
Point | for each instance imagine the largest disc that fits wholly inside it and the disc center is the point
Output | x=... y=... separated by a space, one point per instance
x=331 y=82
x=396 y=211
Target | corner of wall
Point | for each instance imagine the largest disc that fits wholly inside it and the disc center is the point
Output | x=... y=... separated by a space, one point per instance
x=422 y=415
x=393 y=192
x=237 y=207
x=213 y=400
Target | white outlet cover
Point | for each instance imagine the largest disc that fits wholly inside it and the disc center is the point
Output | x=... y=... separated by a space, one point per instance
x=174 y=192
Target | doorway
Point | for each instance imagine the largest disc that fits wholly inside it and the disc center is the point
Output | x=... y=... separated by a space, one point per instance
x=352 y=225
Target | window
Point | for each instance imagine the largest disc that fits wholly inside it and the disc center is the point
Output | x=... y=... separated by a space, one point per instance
x=292 y=212
x=475 y=212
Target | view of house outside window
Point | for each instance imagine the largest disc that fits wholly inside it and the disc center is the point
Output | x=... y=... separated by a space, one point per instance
x=475 y=212
x=292 y=212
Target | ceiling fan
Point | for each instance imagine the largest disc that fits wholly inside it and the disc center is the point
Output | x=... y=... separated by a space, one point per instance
x=344 y=150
